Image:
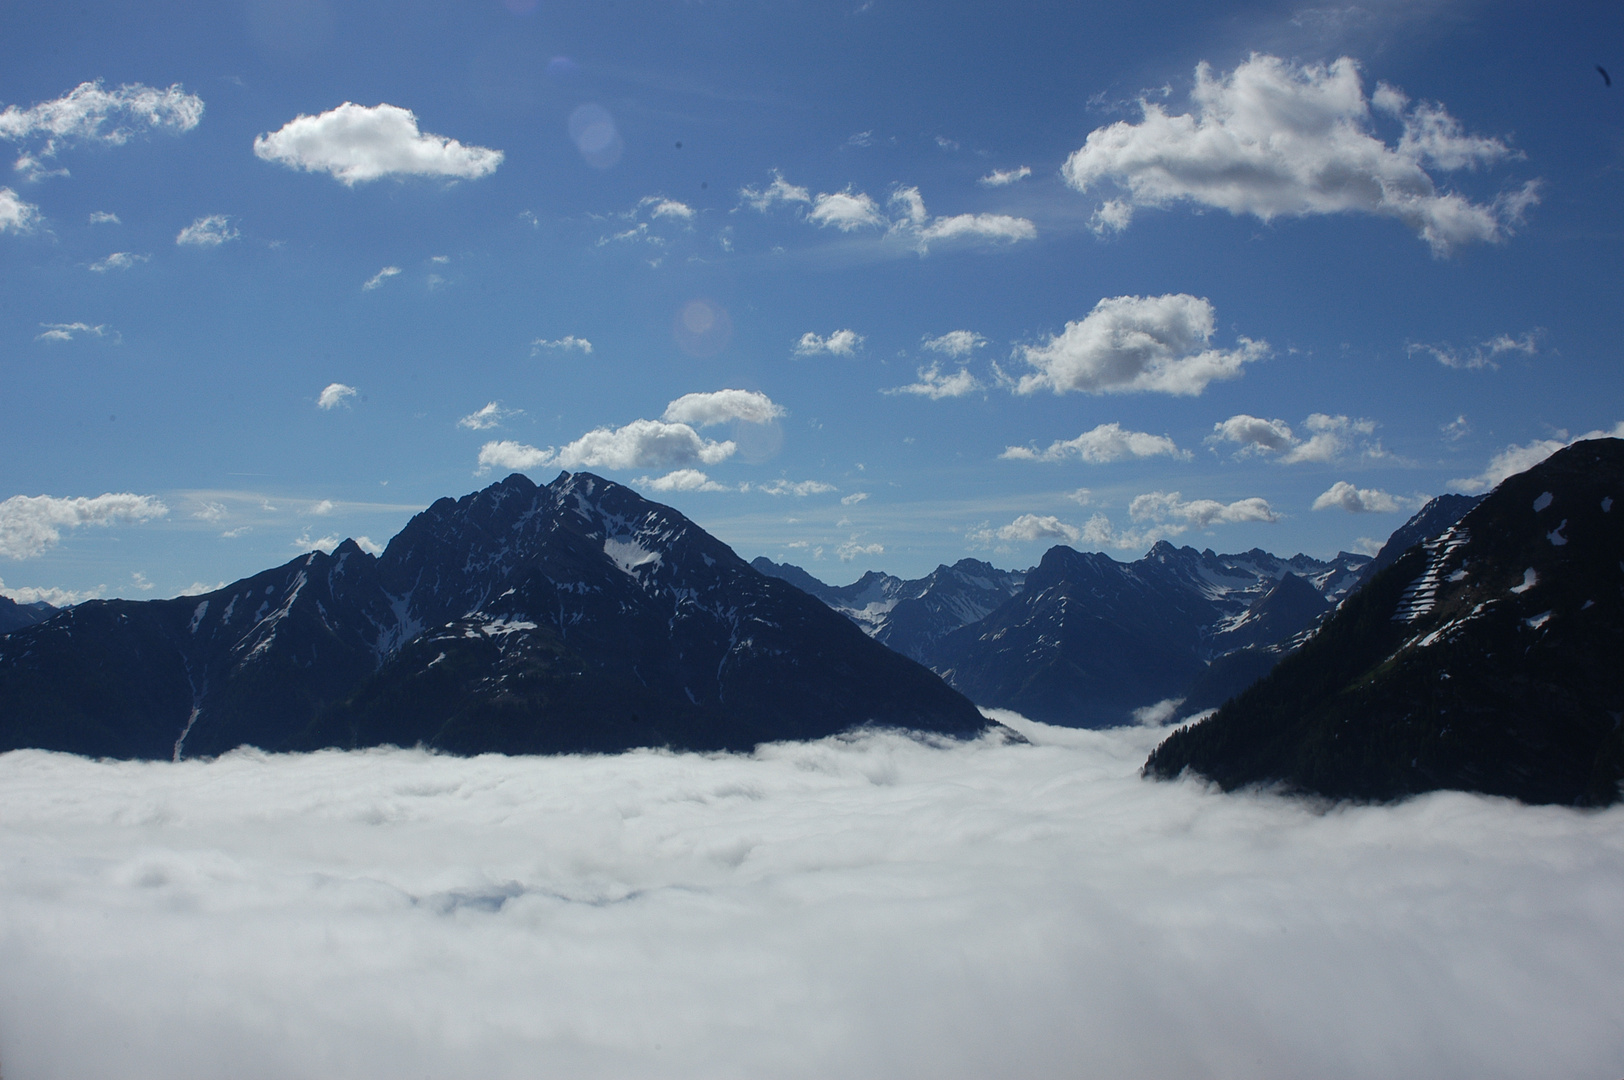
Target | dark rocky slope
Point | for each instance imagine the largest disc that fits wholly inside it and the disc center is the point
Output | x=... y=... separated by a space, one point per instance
x=1490 y=659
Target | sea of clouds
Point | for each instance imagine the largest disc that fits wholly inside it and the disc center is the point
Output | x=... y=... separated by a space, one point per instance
x=871 y=906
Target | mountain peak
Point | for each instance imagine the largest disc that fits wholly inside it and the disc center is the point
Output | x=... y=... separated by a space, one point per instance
x=578 y=616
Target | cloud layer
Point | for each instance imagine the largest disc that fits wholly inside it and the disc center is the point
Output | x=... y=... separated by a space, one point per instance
x=864 y=907
x=1133 y=344
x=30 y=525
x=1274 y=138
x=357 y=144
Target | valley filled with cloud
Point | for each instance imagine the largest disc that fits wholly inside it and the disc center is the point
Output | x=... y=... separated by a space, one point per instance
x=865 y=906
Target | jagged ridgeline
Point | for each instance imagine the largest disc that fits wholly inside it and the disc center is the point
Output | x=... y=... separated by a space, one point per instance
x=1489 y=659
x=577 y=616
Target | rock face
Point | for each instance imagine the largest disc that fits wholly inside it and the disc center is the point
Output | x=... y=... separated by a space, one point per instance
x=577 y=616
x=1431 y=520
x=1488 y=659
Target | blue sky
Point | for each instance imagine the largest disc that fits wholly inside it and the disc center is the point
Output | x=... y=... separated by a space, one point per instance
x=983 y=278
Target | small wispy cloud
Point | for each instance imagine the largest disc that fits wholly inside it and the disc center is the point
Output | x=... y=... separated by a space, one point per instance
x=563 y=344
x=839 y=343
x=490 y=416
x=69 y=331
x=380 y=277
x=118 y=260
x=334 y=395
x=210 y=231
x=1005 y=177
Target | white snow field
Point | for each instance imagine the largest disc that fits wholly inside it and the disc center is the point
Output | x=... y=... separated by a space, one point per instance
x=864 y=907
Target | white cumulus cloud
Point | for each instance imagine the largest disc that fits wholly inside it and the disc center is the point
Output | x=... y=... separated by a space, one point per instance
x=1343 y=495
x=641 y=444
x=334 y=395
x=912 y=223
x=51 y=594
x=1254 y=433
x=1162 y=506
x=903 y=218
x=682 y=480
x=1137 y=343
x=839 y=343
x=1330 y=437
x=15 y=214
x=357 y=144
x=1106 y=442
x=1274 y=138
x=210 y=231
x=722 y=406
x=846 y=210
x=935 y=385
x=33 y=524
x=977 y=227
x=1029 y=528
x=853 y=549
x=780 y=190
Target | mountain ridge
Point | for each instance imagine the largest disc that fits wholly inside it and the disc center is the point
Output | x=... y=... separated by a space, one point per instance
x=577 y=616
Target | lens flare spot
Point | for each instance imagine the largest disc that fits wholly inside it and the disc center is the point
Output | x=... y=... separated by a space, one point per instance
x=595 y=135
x=703 y=328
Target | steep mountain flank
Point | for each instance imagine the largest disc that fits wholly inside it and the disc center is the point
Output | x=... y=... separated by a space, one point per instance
x=1486 y=660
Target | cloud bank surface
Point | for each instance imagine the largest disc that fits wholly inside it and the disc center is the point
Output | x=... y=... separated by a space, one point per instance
x=867 y=907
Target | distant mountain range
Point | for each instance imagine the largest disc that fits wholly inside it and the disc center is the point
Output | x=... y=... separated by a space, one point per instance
x=15 y=616
x=1491 y=658
x=1084 y=640
x=911 y=617
x=577 y=616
